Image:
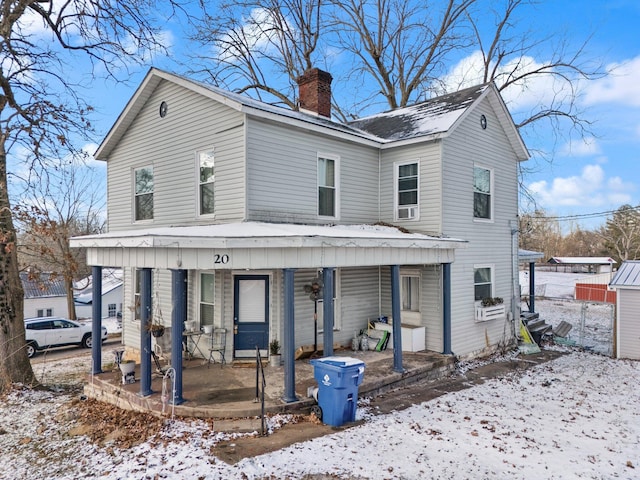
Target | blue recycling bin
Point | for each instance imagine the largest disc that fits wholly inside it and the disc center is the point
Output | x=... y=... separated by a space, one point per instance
x=338 y=380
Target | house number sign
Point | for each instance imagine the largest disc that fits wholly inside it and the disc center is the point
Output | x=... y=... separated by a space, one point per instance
x=220 y=259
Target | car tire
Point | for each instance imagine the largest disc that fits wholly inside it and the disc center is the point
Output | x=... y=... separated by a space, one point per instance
x=86 y=341
x=31 y=349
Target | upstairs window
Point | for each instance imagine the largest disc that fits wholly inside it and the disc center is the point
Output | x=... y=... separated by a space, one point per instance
x=483 y=283
x=143 y=188
x=206 y=182
x=327 y=187
x=406 y=193
x=482 y=193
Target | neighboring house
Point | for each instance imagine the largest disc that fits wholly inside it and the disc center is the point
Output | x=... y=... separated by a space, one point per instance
x=112 y=291
x=222 y=209
x=626 y=283
x=43 y=296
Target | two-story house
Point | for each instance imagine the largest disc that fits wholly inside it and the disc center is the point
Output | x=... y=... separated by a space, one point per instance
x=223 y=210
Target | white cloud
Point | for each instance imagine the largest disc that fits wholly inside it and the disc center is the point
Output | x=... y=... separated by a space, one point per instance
x=535 y=90
x=589 y=189
x=620 y=85
x=582 y=147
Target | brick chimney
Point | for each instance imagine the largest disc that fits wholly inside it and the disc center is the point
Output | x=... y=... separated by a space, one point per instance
x=315 y=92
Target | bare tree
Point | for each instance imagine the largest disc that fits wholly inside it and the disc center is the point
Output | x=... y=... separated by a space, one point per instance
x=253 y=43
x=58 y=204
x=42 y=116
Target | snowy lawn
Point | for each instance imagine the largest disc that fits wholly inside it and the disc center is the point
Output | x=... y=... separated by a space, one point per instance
x=575 y=417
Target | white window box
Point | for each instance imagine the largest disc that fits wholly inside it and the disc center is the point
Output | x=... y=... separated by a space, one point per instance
x=494 y=312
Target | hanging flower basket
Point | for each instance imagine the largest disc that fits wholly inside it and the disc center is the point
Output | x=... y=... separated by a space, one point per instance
x=156 y=330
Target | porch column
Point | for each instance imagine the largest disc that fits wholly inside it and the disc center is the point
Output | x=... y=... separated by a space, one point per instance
x=288 y=340
x=397 y=321
x=178 y=317
x=327 y=312
x=446 y=309
x=96 y=319
x=145 y=334
x=532 y=287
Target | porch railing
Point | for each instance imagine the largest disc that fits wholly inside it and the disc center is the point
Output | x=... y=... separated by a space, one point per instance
x=261 y=384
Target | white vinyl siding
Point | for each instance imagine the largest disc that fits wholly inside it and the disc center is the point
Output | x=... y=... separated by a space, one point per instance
x=488 y=242
x=191 y=121
x=282 y=184
x=429 y=211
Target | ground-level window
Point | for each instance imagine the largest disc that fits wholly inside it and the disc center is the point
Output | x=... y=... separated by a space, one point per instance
x=410 y=292
x=483 y=282
x=44 y=312
x=207 y=298
x=482 y=193
x=336 y=303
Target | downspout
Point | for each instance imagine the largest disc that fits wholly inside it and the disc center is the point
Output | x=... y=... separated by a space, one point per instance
x=515 y=283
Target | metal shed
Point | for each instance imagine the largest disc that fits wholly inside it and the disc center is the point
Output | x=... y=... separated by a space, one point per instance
x=626 y=282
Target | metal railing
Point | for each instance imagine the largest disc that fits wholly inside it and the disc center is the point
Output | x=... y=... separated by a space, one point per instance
x=260 y=388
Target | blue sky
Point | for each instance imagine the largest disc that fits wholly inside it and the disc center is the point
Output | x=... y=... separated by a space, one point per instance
x=584 y=177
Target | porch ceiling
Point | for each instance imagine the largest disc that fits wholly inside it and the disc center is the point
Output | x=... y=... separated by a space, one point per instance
x=253 y=245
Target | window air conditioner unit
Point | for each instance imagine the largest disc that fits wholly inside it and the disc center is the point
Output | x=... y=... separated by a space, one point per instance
x=407 y=213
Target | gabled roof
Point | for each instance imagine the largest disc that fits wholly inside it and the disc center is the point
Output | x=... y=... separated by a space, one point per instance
x=111 y=279
x=42 y=286
x=628 y=275
x=439 y=116
x=581 y=260
x=426 y=121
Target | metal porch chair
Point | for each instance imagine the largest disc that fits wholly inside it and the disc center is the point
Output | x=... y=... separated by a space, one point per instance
x=218 y=345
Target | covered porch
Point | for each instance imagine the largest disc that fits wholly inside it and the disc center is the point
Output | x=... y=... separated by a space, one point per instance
x=231 y=391
x=256 y=247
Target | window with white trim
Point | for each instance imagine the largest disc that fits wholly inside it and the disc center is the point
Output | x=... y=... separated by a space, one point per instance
x=407 y=196
x=410 y=292
x=328 y=200
x=483 y=282
x=143 y=193
x=207 y=298
x=44 y=312
x=111 y=310
x=336 y=303
x=206 y=181
x=482 y=193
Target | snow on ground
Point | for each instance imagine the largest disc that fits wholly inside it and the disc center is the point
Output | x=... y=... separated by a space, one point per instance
x=575 y=417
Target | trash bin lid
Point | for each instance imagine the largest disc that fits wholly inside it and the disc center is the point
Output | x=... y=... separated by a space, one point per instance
x=339 y=361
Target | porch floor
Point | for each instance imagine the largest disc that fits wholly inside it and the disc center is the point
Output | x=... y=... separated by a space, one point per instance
x=229 y=391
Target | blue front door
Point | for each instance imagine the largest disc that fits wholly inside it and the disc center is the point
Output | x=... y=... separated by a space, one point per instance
x=250 y=315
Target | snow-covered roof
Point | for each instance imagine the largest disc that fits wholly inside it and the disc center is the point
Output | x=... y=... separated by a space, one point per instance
x=111 y=279
x=433 y=116
x=628 y=275
x=529 y=255
x=581 y=260
x=428 y=120
x=263 y=235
